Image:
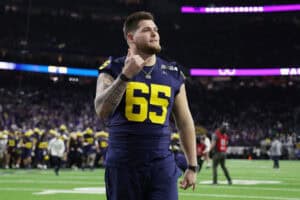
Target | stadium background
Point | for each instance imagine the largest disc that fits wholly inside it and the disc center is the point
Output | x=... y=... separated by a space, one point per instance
x=85 y=33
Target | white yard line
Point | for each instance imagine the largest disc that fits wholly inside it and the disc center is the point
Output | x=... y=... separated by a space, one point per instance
x=51 y=182
x=268 y=177
x=180 y=193
x=101 y=183
x=95 y=178
x=95 y=191
x=234 y=187
x=238 y=196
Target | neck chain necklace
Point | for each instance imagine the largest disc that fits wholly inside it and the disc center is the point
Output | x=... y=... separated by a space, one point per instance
x=148 y=74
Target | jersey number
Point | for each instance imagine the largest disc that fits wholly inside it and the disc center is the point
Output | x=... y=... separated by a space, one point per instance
x=223 y=144
x=142 y=103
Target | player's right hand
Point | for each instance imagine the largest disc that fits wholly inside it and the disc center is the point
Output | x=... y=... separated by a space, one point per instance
x=134 y=63
x=189 y=180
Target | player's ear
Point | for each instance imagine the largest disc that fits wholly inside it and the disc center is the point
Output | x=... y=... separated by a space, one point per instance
x=129 y=37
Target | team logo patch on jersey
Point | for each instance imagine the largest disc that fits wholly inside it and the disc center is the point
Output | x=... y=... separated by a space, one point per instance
x=170 y=67
x=105 y=64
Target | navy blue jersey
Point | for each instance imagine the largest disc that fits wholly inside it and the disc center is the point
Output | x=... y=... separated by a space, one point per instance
x=141 y=120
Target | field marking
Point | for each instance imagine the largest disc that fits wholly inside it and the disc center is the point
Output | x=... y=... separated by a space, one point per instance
x=200 y=187
x=244 y=182
x=30 y=172
x=101 y=183
x=100 y=178
x=234 y=187
x=101 y=190
x=271 y=176
x=237 y=182
x=50 y=182
x=250 y=188
x=238 y=196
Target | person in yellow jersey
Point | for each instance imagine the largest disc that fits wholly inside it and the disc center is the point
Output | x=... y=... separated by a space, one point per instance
x=102 y=139
x=90 y=147
x=27 y=149
x=42 y=150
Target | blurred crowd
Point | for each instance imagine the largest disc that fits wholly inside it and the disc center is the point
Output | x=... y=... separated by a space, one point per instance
x=32 y=149
x=41 y=109
x=34 y=109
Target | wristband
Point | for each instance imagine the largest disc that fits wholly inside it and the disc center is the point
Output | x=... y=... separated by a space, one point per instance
x=123 y=77
x=193 y=168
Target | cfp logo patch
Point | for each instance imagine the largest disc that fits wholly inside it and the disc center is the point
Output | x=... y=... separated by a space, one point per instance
x=170 y=67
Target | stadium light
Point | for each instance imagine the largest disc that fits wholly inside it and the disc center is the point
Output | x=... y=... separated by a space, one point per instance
x=245 y=72
x=51 y=69
x=241 y=9
x=7 y=66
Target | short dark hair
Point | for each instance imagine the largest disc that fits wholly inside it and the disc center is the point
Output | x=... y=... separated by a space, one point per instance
x=131 y=22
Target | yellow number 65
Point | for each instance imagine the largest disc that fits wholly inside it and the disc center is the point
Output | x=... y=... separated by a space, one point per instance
x=142 y=103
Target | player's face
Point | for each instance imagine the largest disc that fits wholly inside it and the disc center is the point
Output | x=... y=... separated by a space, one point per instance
x=146 y=37
x=224 y=129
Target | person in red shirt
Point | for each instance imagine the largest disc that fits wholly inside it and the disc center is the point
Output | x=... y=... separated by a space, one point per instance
x=219 y=146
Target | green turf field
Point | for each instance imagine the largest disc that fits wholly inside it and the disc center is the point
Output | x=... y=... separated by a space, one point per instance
x=262 y=182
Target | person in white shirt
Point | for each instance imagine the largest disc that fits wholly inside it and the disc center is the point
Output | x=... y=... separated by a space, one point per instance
x=207 y=151
x=276 y=151
x=3 y=146
x=56 y=148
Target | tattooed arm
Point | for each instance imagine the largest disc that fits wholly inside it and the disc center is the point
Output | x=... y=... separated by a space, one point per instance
x=109 y=93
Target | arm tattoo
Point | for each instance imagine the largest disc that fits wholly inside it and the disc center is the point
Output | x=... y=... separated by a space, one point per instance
x=108 y=94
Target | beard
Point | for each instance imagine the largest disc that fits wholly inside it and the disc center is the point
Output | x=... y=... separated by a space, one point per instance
x=150 y=50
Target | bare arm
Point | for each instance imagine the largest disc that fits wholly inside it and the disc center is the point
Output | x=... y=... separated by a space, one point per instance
x=185 y=125
x=109 y=93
